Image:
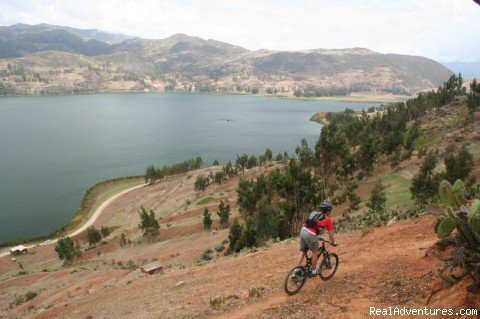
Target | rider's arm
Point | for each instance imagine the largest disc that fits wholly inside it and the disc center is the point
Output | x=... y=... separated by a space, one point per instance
x=331 y=235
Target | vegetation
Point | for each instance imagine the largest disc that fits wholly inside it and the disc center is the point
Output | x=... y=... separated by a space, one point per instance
x=153 y=174
x=201 y=183
x=223 y=213
x=94 y=236
x=67 y=249
x=348 y=144
x=425 y=183
x=473 y=99
x=207 y=254
x=465 y=241
x=148 y=224
x=207 y=220
x=105 y=231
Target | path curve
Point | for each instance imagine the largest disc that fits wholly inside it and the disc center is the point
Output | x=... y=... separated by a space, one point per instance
x=89 y=223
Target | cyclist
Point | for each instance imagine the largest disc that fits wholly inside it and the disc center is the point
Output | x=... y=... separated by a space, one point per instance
x=315 y=224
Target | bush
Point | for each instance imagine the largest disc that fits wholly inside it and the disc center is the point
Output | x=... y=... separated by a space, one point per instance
x=219 y=248
x=207 y=254
x=30 y=295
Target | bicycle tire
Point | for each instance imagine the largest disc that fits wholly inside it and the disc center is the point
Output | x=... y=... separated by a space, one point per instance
x=298 y=279
x=332 y=258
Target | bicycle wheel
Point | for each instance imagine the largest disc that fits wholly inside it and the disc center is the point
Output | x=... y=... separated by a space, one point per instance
x=295 y=280
x=328 y=267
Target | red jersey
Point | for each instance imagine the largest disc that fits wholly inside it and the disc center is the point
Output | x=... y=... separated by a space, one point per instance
x=326 y=223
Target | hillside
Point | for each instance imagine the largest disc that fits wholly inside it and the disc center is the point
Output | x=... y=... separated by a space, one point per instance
x=379 y=266
x=45 y=59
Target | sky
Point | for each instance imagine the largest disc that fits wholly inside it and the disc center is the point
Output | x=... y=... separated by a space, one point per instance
x=443 y=30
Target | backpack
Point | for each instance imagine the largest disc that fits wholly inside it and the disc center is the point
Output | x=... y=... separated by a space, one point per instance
x=313 y=218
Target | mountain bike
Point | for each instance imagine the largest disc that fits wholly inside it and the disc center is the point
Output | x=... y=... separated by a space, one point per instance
x=297 y=277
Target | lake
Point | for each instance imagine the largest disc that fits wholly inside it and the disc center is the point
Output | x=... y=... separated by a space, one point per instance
x=53 y=148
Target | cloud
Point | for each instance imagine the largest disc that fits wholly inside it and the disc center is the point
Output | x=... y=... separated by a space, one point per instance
x=445 y=30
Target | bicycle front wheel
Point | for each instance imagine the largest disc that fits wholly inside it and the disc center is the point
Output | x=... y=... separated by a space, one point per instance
x=295 y=280
x=328 y=267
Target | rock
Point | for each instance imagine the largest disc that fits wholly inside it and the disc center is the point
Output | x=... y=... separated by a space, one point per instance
x=180 y=283
x=91 y=291
x=392 y=221
x=41 y=310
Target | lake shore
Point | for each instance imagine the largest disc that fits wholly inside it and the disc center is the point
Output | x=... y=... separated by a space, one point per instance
x=351 y=98
x=92 y=200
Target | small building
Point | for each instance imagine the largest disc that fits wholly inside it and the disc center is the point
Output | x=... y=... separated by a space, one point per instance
x=18 y=250
x=152 y=268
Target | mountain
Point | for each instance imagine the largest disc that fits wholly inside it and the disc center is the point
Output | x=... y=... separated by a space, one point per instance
x=54 y=59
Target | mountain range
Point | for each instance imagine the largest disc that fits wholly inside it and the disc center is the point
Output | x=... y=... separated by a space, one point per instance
x=48 y=59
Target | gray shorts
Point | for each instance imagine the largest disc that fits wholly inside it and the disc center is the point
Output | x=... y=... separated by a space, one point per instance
x=308 y=241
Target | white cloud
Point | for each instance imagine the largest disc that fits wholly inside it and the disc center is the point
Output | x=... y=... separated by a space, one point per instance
x=445 y=30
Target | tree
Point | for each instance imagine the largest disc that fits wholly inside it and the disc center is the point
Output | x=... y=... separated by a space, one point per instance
x=207 y=220
x=252 y=162
x=234 y=235
x=201 y=183
x=242 y=161
x=94 y=236
x=268 y=155
x=215 y=163
x=150 y=175
x=223 y=213
x=473 y=99
x=369 y=149
x=425 y=184
x=460 y=166
x=148 y=224
x=105 y=231
x=67 y=249
x=378 y=199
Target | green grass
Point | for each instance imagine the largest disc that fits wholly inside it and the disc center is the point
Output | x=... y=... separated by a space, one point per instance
x=205 y=201
x=397 y=190
x=423 y=141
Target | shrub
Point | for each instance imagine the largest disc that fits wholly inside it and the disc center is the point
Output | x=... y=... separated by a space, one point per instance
x=207 y=255
x=219 y=248
x=30 y=295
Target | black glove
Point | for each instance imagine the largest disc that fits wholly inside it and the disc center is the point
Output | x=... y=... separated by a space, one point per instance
x=334 y=244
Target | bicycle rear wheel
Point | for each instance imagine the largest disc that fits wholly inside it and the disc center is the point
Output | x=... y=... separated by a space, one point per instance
x=295 y=280
x=328 y=267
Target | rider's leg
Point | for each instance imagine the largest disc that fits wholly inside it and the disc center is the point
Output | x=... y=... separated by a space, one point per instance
x=300 y=258
x=314 y=259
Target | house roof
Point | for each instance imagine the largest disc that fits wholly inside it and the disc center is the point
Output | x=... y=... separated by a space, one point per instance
x=18 y=248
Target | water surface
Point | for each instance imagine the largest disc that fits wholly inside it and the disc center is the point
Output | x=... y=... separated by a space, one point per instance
x=53 y=148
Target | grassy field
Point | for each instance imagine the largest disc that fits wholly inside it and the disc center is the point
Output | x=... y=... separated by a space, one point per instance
x=398 y=191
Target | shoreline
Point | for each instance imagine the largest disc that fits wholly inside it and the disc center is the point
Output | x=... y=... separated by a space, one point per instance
x=355 y=98
x=88 y=205
x=91 y=220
